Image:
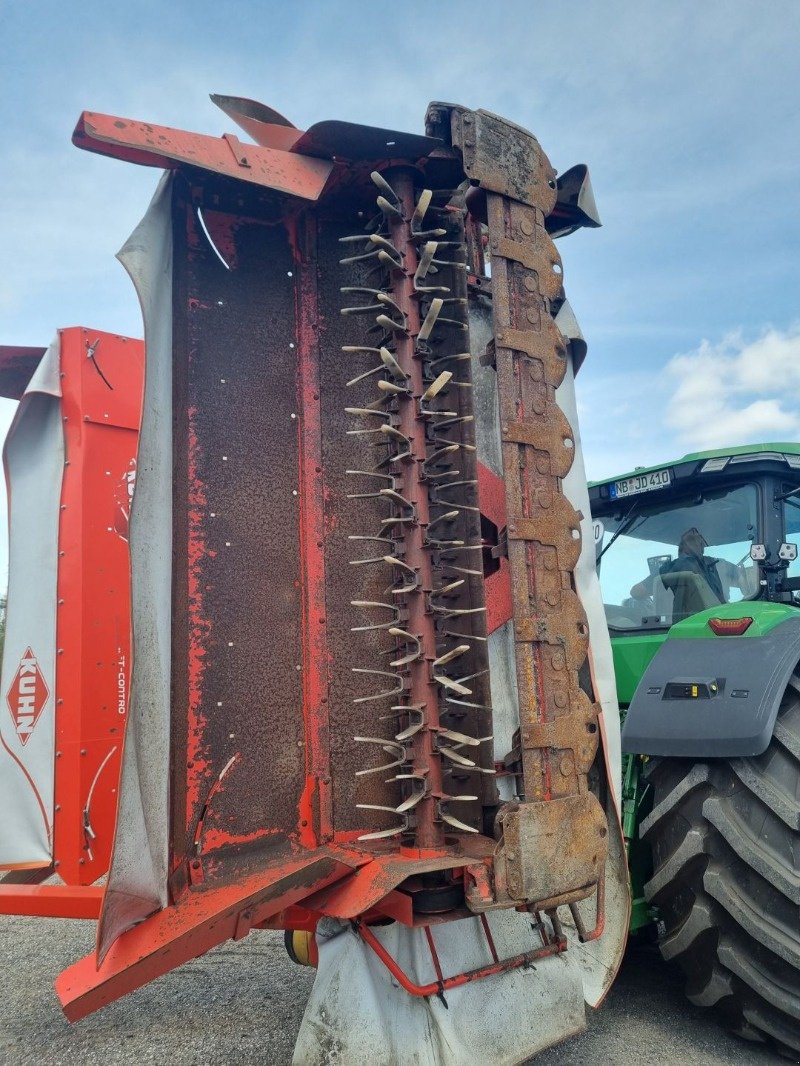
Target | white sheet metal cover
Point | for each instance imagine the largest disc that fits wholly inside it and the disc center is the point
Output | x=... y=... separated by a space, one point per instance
x=33 y=457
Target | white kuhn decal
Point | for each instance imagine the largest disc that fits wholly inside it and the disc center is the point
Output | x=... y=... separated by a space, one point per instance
x=122 y=500
x=27 y=696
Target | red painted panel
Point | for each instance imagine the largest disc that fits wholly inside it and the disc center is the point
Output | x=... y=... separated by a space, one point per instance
x=102 y=377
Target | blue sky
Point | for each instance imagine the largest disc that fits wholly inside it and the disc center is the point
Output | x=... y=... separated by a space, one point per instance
x=687 y=113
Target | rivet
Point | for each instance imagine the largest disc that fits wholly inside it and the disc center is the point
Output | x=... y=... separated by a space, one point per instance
x=526 y=226
x=230 y=643
x=227 y=544
x=532 y=315
x=224 y=458
x=83 y=751
x=530 y=283
x=292 y=415
x=298 y=667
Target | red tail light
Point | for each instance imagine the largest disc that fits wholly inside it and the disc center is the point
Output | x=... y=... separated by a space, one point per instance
x=729 y=627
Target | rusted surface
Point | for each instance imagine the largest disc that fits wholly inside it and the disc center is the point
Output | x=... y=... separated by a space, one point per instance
x=161 y=146
x=193 y=926
x=499 y=156
x=237 y=631
x=558 y=723
x=552 y=849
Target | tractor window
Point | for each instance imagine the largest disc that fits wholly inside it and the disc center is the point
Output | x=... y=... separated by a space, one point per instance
x=791 y=529
x=660 y=562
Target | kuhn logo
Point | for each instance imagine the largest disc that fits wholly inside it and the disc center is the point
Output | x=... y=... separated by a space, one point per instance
x=27 y=696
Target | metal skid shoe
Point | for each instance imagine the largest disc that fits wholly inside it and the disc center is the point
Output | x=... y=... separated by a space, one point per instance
x=314 y=737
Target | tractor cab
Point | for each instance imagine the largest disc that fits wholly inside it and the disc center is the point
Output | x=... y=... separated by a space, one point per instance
x=700 y=576
x=713 y=528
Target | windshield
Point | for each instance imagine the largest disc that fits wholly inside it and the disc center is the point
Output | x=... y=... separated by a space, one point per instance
x=662 y=562
x=791 y=528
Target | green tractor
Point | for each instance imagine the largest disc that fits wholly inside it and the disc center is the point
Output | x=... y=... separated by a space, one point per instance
x=698 y=563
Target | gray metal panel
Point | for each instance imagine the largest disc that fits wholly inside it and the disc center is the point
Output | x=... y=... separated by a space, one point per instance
x=725 y=725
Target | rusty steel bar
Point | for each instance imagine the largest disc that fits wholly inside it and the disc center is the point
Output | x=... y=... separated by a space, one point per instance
x=457 y=980
x=427 y=763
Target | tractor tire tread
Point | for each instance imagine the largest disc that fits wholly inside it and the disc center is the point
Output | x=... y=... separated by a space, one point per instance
x=725 y=836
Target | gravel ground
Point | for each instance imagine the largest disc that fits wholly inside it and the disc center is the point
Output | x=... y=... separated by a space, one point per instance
x=242 y=1003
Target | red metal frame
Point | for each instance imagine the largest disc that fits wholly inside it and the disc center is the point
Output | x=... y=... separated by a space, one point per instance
x=101 y=380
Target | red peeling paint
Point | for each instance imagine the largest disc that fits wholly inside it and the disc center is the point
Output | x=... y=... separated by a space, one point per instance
x=199 y=629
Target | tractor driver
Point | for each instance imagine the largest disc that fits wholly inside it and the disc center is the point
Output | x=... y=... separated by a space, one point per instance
x=693 y=578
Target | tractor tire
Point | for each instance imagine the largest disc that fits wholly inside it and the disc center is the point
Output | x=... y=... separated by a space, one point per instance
x=725 y=838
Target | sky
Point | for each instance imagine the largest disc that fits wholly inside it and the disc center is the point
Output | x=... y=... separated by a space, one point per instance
x=687 y=113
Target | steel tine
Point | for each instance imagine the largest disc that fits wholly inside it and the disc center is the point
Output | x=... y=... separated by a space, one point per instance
x=389 y=387
x=389 y=323
x=412 y=801
x=388 y=210
x=457 y=357
x=413 y=655
x=448 y=657
x=392 y=365
x=386 y=245
x=367 y=374
x=425 y=260
x=422 y=205
x=390 y=747
x=371 y=473
x=359 y=258
x=450 y=587
x=462 y=738
x=450 y=753
x=390 y=431
x=436 y=386
x=448 y=516
x=451 y=821
x=366 y=412
x=388 y=260
x=430 y=319
x=392 y=494
x=464 y=636
x=467 y=703
x=384 y=186
x=452 y=686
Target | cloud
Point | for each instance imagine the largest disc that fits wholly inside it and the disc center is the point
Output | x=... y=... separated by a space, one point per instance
x=736 y=391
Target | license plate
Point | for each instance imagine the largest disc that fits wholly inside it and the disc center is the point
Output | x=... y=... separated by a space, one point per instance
x=656 y=479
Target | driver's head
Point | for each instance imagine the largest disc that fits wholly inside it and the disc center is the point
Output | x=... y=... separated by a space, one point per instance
x=692 y=542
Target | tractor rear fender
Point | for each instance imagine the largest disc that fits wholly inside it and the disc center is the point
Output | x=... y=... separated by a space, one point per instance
x=712 y=697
